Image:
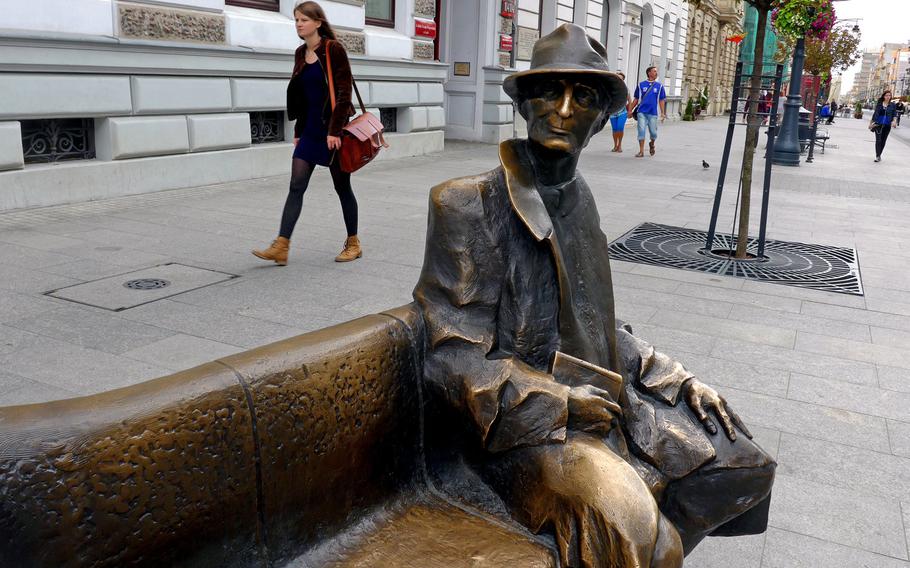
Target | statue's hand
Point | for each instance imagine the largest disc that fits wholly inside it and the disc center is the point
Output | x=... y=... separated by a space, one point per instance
x=591 y=410
x=702 y=399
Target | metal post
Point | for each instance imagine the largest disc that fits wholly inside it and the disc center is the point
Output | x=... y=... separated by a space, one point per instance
x=812 y=137
x=766 y=185
x=718 y=193
x=786 y=151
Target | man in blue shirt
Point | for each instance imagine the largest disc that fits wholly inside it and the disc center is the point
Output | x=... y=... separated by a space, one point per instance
x=649 y=97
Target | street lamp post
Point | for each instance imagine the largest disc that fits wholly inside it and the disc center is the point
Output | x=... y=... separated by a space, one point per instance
x=786 y=148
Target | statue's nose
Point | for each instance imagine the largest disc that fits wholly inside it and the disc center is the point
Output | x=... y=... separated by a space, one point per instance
x=564 y=107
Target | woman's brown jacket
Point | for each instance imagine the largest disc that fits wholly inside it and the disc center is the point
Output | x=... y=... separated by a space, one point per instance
x=341 y=76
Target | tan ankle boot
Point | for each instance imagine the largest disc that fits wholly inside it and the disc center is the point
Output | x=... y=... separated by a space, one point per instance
x=277 y=251
x=351 y=251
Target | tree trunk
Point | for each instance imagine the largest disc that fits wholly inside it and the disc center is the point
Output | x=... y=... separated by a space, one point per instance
x=754 y=125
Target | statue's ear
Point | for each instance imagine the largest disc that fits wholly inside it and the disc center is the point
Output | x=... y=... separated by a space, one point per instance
x=520 y=107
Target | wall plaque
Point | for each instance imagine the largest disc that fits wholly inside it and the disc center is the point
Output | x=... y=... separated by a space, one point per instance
x=462 y=69
x=526 y=39
x=424 y=28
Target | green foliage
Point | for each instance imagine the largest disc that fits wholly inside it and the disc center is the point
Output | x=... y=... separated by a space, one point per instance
x=689 y=114
x=838 y=51
x=703 y=99
x=803 y=18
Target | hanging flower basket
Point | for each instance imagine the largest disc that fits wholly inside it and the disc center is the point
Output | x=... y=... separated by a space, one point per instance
x=803 y=18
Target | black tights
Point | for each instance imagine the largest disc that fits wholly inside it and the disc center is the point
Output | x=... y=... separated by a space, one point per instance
x=881 y=136
x=301 y=170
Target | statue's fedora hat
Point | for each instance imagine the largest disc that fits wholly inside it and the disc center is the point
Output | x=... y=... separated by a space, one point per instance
x=569 y=50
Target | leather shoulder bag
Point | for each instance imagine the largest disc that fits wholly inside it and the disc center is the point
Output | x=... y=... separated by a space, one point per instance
x=361 y=138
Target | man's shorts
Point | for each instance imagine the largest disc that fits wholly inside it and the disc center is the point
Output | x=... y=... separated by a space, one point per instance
x=648 y=121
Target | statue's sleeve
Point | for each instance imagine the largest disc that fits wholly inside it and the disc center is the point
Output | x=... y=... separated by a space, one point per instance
x=653 y=372
x=511 y=403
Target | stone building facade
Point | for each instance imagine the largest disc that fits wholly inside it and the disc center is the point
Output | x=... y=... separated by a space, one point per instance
x=710 y=59
x=100 y=98
x=636 y=33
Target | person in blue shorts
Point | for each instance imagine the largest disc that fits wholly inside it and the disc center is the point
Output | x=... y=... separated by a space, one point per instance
x=618 y=122
x=650 y=98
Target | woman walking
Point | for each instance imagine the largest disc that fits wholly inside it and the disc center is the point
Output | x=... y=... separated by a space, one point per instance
x=883 y=119
x=318 y=128
x=618 y=121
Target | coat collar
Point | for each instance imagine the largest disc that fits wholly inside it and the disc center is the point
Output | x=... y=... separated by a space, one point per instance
x=523 y=191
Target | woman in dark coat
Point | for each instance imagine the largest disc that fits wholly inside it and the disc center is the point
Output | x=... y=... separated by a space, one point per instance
x=883 y=119
x=318 y=128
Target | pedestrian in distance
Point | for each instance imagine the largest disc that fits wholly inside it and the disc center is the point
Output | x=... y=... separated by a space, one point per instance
x=317 y=132
x=825 y=112
x=833 y=113
x=650 y=99
x=883 y=118
x=764 y=105
x=901 y=109
x=618 y=121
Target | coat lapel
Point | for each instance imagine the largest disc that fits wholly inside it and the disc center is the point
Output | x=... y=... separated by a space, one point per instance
x=526 y=201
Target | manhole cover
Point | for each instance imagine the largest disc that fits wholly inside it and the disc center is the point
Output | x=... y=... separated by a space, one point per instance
x=125 y=291
x=818 y=267
x=147 y=284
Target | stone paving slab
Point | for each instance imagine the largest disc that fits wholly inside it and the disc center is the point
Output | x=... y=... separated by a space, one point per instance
x=821 y=378
x=112 y=293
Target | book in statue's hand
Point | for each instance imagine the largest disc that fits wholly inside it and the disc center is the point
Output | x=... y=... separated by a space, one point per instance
x=574 y=372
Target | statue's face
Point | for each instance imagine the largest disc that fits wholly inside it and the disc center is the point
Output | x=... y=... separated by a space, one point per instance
x=564 y=112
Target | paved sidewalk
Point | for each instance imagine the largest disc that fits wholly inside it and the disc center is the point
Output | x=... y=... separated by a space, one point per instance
x=823 y=379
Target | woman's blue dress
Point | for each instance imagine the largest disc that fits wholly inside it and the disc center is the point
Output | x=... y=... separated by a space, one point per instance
x=312 y=145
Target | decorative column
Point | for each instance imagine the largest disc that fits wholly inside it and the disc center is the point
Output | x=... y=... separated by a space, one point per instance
x=786 y=149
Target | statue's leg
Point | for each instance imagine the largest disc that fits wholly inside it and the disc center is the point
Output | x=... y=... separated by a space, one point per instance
x=728 y=496
x=593 y=502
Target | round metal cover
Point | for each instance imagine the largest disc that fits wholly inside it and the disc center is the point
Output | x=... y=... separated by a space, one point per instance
x=146 y=284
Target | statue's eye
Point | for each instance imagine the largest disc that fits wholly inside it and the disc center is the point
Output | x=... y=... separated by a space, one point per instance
x=550 y=89
x=585 y=96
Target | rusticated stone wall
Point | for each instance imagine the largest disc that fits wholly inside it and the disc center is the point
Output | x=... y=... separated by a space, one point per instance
x=425 y=9
x=353 y=42
x=423 y=50
x=148 y=22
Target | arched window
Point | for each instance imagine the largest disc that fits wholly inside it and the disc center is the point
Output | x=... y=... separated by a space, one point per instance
x=674 y=58
x=612 y=31
x=647 y=42
x=665 y=56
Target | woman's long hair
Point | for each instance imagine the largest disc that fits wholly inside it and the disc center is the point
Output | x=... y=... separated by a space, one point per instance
x=881 y=99
x=314 y=11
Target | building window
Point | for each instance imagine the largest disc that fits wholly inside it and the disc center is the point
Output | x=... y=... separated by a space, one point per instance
x=55 y=140
x=270 y=5
x=267 y=126
x=380 y=13
x=389 y=119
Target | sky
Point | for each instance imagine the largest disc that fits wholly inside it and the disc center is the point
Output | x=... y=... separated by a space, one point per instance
x=882 y=21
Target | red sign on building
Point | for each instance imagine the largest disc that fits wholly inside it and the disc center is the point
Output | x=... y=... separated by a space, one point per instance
x=425 y=28
x=508 y=9
x=505 y=42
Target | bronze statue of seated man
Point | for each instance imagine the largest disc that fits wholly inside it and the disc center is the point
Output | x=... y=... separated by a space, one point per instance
x=584 y=431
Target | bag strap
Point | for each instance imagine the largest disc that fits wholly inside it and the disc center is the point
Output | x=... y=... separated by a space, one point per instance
x=328 y=62
x=642 y=99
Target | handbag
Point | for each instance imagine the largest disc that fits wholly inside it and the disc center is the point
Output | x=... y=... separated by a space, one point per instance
x=874 y=126
x=361 y=138
x=635 y=110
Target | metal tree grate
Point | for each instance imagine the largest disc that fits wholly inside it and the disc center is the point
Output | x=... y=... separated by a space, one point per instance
x=818 y=267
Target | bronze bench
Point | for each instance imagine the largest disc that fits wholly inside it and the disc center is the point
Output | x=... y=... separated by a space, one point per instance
x=305 y=452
